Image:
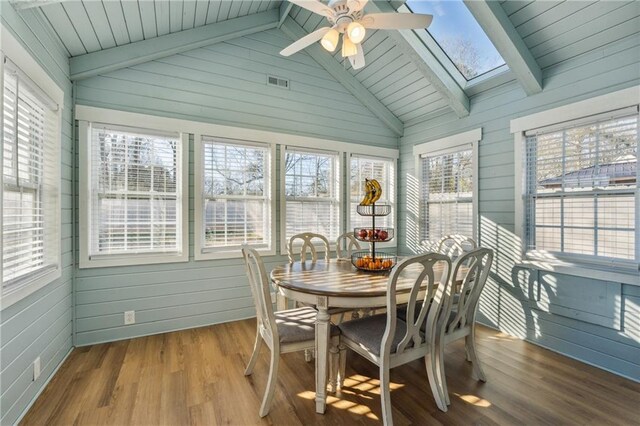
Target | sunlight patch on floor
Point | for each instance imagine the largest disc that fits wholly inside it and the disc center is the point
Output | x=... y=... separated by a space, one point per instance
x=354 y=386
x=474 y=400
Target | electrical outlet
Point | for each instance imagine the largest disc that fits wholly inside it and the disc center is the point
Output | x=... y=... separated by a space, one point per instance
x=129 y=317
x=36 y=369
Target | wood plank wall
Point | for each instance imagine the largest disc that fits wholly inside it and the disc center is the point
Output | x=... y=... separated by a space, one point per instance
x=224 y=84
x=507 y=303
x=40 y=324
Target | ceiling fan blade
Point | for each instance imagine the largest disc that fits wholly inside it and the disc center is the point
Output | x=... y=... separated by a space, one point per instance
x=305 y=41
x=396 y=21
x=357 y=60
x=314 y=6
x=356 y=5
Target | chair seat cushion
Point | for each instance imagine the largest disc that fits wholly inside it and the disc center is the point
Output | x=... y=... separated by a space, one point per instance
x=368 y=332
x=298 y=325
x=402 y=312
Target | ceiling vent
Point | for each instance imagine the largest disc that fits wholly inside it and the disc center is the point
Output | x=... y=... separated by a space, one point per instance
x=278 y=82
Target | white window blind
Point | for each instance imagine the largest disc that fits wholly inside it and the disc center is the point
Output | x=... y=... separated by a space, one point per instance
x=364 y=167
x=136 y=196
x=30 y=169
x=236 y=199
x=582 y=188
x=312 y=192
x=447 y=194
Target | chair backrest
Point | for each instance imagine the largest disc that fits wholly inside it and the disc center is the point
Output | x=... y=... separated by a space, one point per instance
x=477 y=264
x=261 y=292
x=456 y=245
x=433 y=279
x=307 y=244
x=346 y=244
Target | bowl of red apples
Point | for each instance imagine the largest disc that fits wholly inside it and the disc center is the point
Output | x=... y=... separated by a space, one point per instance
x=378 y=235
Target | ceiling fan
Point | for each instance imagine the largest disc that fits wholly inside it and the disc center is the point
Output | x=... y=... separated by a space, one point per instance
x=347 y=18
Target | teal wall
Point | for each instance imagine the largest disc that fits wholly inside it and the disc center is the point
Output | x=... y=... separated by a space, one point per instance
x=40 y=324
x=223 y=84
x=509 y=301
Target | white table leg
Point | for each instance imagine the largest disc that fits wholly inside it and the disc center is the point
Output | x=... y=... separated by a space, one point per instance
x=281 y=301
x=323 y=335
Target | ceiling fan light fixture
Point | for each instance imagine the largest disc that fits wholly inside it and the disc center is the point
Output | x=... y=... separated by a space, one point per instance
x=356 y=32
x=348 y=47
x=330 y=40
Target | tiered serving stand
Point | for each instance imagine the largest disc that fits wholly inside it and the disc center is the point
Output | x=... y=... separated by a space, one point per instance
x=373 y=260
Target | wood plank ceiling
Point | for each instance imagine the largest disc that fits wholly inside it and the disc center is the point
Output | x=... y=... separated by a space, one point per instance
x=393 y=79
x=554 y=31
x=89 y=26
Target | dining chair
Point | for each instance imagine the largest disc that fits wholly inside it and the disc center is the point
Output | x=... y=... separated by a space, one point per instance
x=455 y=245
x=459 y=320
x=388 y=341
x=346 y=244
x=283 y=331
x=308 y=245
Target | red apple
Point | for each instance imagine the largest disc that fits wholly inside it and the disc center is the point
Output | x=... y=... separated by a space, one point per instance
x=383 y=235
x=362 y=234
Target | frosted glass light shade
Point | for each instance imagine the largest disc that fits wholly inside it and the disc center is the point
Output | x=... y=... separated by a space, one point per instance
x=356 y=32
x=348 y=48
x=330 y=40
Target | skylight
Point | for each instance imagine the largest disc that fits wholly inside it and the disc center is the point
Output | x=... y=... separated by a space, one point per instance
x=460 y=36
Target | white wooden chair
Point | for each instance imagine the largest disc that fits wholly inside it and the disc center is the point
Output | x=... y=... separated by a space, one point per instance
x=284 y=331
x=458 y=321
x=388 y=341
x=456 y=245
x=308 y=245
x=346 y=244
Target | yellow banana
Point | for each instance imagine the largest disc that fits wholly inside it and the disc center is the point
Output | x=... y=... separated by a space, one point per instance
x=366 y=200
x=377 y=190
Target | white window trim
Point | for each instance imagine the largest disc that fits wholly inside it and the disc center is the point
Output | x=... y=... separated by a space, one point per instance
x=284 y=241
x=442 y=146
x=198 y=182
x=22 y=59
x=86 y=261
x=102 y=115
x=342 y=148
x=394 y=203
x=574 y=111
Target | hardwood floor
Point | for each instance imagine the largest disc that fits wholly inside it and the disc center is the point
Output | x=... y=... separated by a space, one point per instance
x=195 y=377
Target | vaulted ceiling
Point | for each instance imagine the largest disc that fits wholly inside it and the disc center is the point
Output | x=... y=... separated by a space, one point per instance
x=406 y=78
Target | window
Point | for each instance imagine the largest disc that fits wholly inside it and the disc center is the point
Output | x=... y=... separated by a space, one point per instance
x=234 y=197
x=581 y=188
x=30 y=181
x=448 y=186
x=383 y=170
x=312 y=193
x=460 y=36
x=136 y=196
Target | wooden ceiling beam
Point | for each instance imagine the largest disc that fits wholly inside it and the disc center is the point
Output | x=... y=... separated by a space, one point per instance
x=115 y=58
x=294 y=31
x=504 y=36
x=408 y=42
x=285 y=9
x=30 y=4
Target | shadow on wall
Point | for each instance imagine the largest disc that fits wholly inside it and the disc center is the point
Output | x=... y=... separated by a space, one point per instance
x=504 y=302
x=525 y=302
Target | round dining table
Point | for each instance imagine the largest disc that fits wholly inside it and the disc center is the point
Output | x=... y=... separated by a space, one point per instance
x=334 y=284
